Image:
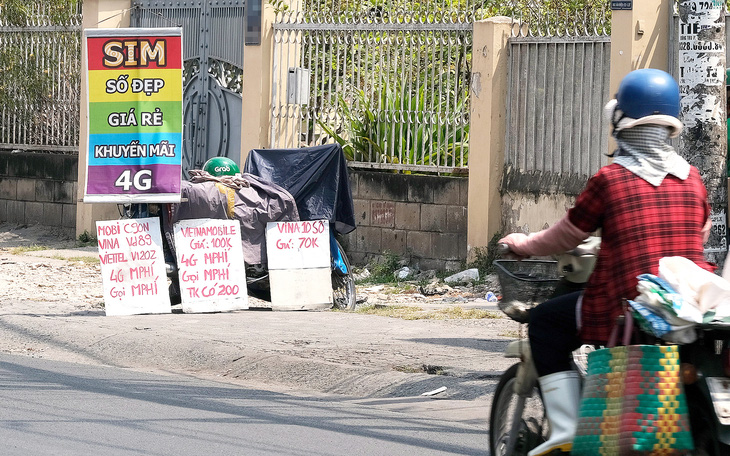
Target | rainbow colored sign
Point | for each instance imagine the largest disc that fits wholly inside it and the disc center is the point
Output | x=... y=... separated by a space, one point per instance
x=134 y=115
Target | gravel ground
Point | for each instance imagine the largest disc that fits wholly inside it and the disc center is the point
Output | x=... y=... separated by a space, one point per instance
x=58 y=276
x=65 y=286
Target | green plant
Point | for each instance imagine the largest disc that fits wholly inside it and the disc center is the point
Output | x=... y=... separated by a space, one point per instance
x=84 y=260
x=382 y=271
x=280 y=6
x=483 y=257
x=20 y=12
x=86 y=238
x=369 y=133
x=406 y=312
x=27 y=248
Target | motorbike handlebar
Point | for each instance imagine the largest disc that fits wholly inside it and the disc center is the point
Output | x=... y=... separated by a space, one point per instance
x=503 y=249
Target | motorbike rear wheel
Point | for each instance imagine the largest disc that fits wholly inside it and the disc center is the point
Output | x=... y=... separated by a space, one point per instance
x=530 y=430
x=343 y=285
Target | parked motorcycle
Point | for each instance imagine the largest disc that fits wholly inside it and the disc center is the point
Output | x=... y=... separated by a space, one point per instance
x=281 y=185
x=517 y=418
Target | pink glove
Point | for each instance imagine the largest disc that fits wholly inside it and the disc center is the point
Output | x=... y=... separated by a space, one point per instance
x=559 y=238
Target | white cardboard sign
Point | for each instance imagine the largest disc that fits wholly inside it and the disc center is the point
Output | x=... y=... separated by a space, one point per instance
x=210 y=263
x=298 y=245
x=132 y=266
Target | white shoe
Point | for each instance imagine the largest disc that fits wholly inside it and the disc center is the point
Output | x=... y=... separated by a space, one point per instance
x=561 y=396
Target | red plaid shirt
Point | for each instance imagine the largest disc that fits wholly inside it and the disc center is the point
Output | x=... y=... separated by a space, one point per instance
x=639 y=225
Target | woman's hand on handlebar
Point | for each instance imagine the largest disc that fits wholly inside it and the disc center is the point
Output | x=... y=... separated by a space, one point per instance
x=509 y=246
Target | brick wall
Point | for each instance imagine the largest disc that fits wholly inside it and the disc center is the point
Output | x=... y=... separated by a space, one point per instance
x=420 y=218
x=37 y=188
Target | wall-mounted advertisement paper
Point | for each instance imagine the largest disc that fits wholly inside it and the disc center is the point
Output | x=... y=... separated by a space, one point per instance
x=134 y=83
x=210 y=264
x=133 y=267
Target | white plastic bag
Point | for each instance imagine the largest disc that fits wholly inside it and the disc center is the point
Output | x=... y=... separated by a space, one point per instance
x=699 y=288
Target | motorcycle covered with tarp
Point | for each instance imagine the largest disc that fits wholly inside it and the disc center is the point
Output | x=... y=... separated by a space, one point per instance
x=276 y=185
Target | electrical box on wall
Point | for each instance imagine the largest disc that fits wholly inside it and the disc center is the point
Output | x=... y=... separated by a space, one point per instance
x=297 y=86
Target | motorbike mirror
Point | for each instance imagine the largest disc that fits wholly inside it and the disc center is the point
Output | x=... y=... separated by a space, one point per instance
x=577 y=265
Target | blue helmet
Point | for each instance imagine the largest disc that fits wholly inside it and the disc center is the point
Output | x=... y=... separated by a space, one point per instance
x=648 y=92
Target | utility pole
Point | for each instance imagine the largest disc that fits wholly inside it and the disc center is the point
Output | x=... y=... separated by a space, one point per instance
x=703 y=142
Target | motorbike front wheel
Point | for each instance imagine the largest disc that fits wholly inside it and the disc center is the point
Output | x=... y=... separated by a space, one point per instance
x=343 y=285
x=516 y=424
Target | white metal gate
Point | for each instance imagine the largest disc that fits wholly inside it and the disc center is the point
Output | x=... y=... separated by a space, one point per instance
x=556 y=132
x=559 y=81
x=213 y=39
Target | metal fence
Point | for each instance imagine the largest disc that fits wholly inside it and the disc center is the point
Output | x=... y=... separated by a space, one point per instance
x=215 y=30
x=539 y=18
x=40 y=71
x=558 y=87
x=213 y=46
x=390 y=83
x=559 y=80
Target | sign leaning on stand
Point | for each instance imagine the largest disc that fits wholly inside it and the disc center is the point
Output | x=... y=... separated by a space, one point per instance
x=299 y=265
x=135 y=122
x=132 y=267
x=212 y=271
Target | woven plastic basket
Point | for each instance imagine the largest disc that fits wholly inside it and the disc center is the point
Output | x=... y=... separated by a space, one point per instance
x=633 y=403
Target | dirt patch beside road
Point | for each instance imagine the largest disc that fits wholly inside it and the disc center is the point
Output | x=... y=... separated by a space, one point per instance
x=65 y=286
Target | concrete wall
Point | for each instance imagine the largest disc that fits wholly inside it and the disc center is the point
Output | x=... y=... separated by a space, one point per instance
x=38 y=188
x=530 y=213
x=257 y=80
x=420 y=218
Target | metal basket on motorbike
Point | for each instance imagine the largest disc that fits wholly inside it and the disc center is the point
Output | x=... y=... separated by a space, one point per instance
x=525 y=284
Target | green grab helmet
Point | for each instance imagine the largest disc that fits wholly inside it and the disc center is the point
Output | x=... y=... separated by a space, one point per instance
x=221 y=166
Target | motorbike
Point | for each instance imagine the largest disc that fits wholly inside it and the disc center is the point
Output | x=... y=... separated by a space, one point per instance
x=313 y=179
x=517 y=417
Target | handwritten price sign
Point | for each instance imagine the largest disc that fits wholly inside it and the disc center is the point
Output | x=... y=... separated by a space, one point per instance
x=132 y=267
x=299 y=265
x=210 y=265
x=298 y=245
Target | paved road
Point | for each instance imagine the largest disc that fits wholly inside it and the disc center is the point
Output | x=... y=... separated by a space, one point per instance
x=57 y=408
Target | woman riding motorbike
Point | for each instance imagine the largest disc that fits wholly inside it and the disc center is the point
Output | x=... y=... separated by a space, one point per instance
x=649 y=203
